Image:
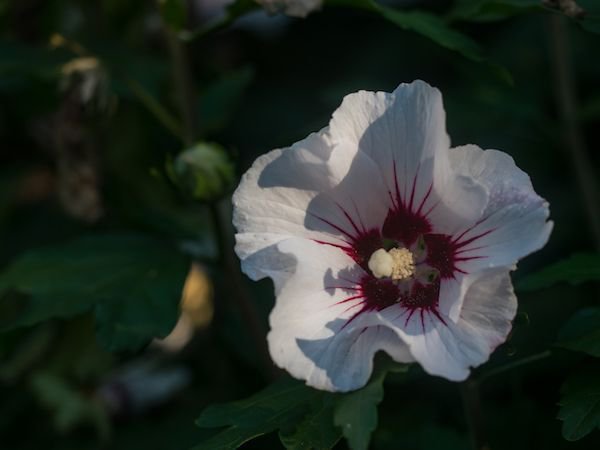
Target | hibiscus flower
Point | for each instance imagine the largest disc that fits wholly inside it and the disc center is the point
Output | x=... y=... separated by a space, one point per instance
x=379 y=236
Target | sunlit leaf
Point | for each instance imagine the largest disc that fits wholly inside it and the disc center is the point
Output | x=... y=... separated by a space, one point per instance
x=580 y=404
x=577 y=269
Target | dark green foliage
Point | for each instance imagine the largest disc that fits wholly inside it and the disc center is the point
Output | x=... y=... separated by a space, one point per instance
x=426 y=24
x=278 y=407
x=306 y=418
x=492 y=10
x=356 y=413
x=132 y=283
x=219 y=100
x=577 y=269
x=315 y=429
x=582 y=332
x=580 y=404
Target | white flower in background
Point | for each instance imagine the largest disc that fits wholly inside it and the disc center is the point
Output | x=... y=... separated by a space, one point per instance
x=294 y=8
x=379 y=236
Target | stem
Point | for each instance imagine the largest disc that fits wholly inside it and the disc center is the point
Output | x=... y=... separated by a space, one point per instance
x=186 y=97
x=469 y=390
x=215 y=25
x=241 y=295
x=185 y=87
x=155 y=108
x=572 y=133
x=514 y=364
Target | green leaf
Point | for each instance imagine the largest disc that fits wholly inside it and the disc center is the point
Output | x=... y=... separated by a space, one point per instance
x=219 y=100
x=316 y=430
x=231 y=438
x=435 y=29
x=492 y=10
x=130 y=321
x=356 y=413
x=580 y=404
x=591 y=24
x=306 y=418
x=132 y=283
x=273 y=408
x=25 y=60
x=582 y=332
x=430 y=26
x=577 y=269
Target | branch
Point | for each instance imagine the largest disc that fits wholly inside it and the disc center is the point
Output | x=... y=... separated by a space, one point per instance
x=565 y=91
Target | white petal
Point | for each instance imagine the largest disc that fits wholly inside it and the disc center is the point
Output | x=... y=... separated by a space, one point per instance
x=450 y=349
x=458 y=200
x=452 y=294
x=402 y=130
x=344 y=361
x=264 y=204
x=310 y=335
x=405 y=134
x=311 y=190
x=514 y=220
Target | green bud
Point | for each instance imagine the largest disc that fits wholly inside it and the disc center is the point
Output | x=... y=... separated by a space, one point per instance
x=203 y=171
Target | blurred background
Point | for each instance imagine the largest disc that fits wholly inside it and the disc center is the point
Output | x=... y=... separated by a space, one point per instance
x=122 y=137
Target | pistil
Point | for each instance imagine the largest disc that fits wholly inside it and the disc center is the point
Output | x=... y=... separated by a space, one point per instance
x=397 y=263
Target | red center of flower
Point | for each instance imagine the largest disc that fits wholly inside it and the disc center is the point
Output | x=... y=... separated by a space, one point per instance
x=420 y=293
x=406 y=226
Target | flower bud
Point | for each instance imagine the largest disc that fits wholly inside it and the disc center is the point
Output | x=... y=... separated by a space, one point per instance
x=203 y=171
